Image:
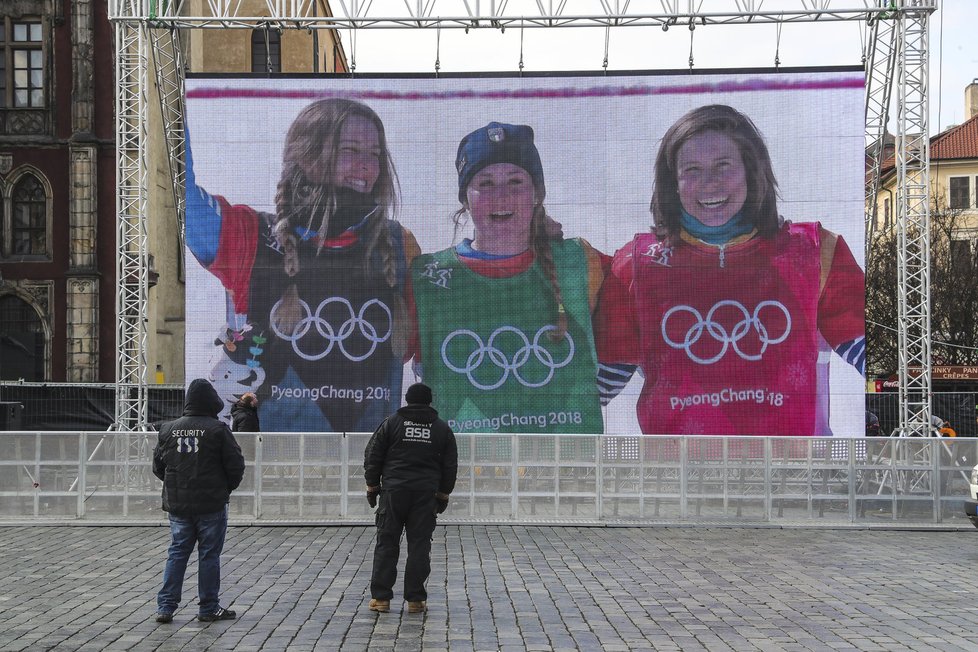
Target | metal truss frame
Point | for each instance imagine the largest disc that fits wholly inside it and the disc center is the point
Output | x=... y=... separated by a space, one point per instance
x=496 y=14
x=880 y=65
x=169 y=66
x=913 y=221
x=132 y=265
x=896 y=61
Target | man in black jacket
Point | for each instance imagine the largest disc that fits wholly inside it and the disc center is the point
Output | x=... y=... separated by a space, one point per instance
x=410 y=464
x=200 y=464
x=244 y=414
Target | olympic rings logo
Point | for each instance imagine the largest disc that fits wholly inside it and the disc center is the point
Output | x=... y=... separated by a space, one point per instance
x=338 y=337
x=499 y=360
x=716 y=330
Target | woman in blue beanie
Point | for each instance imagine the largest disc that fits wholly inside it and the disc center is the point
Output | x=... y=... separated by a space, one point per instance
x=504 y=318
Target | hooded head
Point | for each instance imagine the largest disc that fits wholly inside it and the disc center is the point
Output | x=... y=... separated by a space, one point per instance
x=418 y=394
x=498 y=143
x=202 y=399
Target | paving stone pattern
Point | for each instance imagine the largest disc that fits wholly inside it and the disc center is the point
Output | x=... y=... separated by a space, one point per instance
x=504 y=588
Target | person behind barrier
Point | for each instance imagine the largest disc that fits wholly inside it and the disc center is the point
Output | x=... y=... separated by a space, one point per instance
x=410 y=464
x=244 y=414
x=872 y=425
x=942 y=426
x=200 y=464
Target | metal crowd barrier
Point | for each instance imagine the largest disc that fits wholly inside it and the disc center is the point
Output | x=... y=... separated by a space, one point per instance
x=96 y=477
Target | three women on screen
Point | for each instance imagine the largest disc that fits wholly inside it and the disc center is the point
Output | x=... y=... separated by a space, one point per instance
x=729 y=311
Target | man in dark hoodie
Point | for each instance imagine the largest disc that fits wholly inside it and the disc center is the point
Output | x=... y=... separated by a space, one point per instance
x=244 y=414
x=410 y=464
x=200 y=464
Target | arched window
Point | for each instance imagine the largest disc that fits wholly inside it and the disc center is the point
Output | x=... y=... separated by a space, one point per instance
x=21 y=340
x=266 y=50
x=29 y=220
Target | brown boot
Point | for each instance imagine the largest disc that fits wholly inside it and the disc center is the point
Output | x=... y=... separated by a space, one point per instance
x=383 y=606
x=417 y=606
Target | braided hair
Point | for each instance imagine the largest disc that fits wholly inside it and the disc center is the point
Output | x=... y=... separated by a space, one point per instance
x=544 y=253
x=305 y=196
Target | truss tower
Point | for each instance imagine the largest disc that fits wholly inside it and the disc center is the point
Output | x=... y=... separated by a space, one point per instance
x=896 y=66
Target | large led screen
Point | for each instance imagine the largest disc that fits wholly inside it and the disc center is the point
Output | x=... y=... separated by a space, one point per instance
x=648 y=253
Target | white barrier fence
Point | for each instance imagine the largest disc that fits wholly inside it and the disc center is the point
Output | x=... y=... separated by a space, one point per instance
x=553 y=479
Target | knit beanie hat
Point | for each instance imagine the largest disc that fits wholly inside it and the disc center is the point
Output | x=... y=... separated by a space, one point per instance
x=418 y=393
x=498 y=143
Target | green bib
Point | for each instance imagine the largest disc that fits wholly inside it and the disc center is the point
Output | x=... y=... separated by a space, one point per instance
x=487 y=351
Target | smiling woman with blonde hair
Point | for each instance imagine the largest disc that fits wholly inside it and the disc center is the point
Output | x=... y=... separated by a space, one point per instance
x=316 y=289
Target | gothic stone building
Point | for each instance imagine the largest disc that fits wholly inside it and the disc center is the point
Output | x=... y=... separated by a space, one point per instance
x=57 y=191
x=57 y=183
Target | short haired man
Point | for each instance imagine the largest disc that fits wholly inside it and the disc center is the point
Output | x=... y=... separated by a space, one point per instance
x=200 y=464
x=410 y=464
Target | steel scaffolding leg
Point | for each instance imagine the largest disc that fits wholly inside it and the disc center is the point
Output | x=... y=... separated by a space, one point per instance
x=913 y=222
x=169 y=68
x=131 y=244
x=880 y=63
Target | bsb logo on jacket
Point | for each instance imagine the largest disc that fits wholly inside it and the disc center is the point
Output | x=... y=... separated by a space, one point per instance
x=187 y=440
x=416 y=431
x=187 y=445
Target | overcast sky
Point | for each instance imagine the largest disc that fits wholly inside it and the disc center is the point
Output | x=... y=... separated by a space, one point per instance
x=954 y=53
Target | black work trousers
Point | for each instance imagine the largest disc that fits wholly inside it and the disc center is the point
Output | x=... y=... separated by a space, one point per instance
x=397 y=511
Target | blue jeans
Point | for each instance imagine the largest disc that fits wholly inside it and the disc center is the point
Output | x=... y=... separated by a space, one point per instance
x=207 y=531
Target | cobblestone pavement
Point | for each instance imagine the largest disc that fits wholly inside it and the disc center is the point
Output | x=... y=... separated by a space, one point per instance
x=504 y=588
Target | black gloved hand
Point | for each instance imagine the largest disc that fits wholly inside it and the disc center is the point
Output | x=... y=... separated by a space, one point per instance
x=372 y=493
x=441 y=502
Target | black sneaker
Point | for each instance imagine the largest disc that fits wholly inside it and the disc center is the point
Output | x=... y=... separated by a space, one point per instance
x=220 y=614
x=164 y=616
